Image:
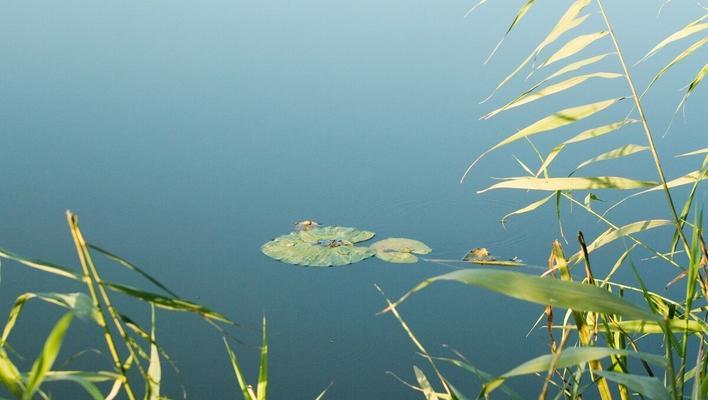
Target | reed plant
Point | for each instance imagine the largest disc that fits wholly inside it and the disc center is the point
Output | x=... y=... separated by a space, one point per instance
x=602 y=329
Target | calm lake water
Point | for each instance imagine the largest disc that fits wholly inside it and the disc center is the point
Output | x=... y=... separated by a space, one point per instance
x=187 y=134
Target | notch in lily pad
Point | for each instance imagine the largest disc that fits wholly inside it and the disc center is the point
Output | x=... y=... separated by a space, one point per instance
x=480 y=255
x=320 y=247
x=400 y=250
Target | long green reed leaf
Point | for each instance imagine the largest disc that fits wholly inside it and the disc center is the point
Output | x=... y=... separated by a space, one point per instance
x=45 y=360
x=262 y=388
x=574 y=46
x=647 y=386
x=10 y=375
x=574 y=183
x=243 y=385
x=622 y=151
x=531 y=207
x=690 y=50
x=517 y=18
x=41 y=265
x=539 y=290
x=556 y=120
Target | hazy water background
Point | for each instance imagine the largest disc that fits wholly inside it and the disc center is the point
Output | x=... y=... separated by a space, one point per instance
x=186 y=134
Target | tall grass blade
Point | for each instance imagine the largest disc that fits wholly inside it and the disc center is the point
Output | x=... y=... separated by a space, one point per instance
x=531 y=207
x=556 y=120
x=154 y=371
x=622 y=151
x=168 y=303
x=133 y=267
x=428 y=391
x=649 y=387
x=574 y=183
x=263 y=370
x=567 y=358
x=568 y=21
x=530 y=95
x=41 y=265
x=237 y=372
x=49 y=354
x=690 y=29
x=574 y=46
x=539 y=290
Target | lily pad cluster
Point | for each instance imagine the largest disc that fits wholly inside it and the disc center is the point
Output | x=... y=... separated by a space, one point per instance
x=325 y=246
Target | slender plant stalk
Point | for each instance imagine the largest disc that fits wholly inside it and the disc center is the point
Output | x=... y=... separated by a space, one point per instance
x=110 y=343
x=645 y=125
x=81 y=243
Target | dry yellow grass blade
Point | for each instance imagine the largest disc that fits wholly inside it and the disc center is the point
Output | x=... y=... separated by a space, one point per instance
x=690 y=29
x=574 y=46
x=622 y=151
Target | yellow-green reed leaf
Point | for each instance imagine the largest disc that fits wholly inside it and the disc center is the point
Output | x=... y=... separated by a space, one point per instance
x=323 y=392
x=263 y=370
x=691 y=87
x=517 y=18
x=574 y=46
x=154 y=372
x=45 y=360
x=530 y=96
x=574 y=183
x=612 y=234
x=694 y=152
x=125 y=263
x=531 y=207
x=690 y=50
x=556 y=120
x=174 y=304
x=621 y=151
x=85 y=379
x=575 y=66
x=680 y=181
x=653 y=327
x=690 y=29
x=539 y=290
x=425 y=386
x=585 y=135
x=568 y=358
x=647 y=386
x=41 y=265
x=10 y=375
x=79 y=303
x=237 y=372
x=568 y=21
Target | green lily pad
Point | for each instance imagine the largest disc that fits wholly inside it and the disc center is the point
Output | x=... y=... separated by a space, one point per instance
x=320 y=247
x=399 y=250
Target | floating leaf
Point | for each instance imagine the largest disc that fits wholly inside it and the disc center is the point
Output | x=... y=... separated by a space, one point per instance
x=577 y=183
x=399 y=250
x=320 y=247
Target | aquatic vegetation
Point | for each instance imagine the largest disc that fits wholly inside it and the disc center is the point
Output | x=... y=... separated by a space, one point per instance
x=306 y=225
x=400 y=250
x=480 y=255
x=320 y=247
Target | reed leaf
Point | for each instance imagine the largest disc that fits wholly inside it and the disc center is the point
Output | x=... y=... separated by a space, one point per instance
x=622 y=151
x=154 y=371
x=582 y=136
x=694 y=152
x=10 y=375
x=568 y=21
x=49 y=354
x=652 y=327
x=573 y=183
x=517 y=18
x=690 y=50
x=41 y=265
x=531 y=207
x=575 y=66
x=539 y=290
x=691 y=87
x=612 y=234
x=237 y=372
x=262 y=387
x=690 y=29
x=167 y=303
x=648 y=386
x=530 y=96
x=567 y=358
x=425 y=386
x=84 y=379
x=556 y=120
x=574 y=46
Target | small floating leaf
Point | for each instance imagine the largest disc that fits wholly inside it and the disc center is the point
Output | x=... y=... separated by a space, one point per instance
x=320 y=247
x=480 y=255
x=399 y=250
